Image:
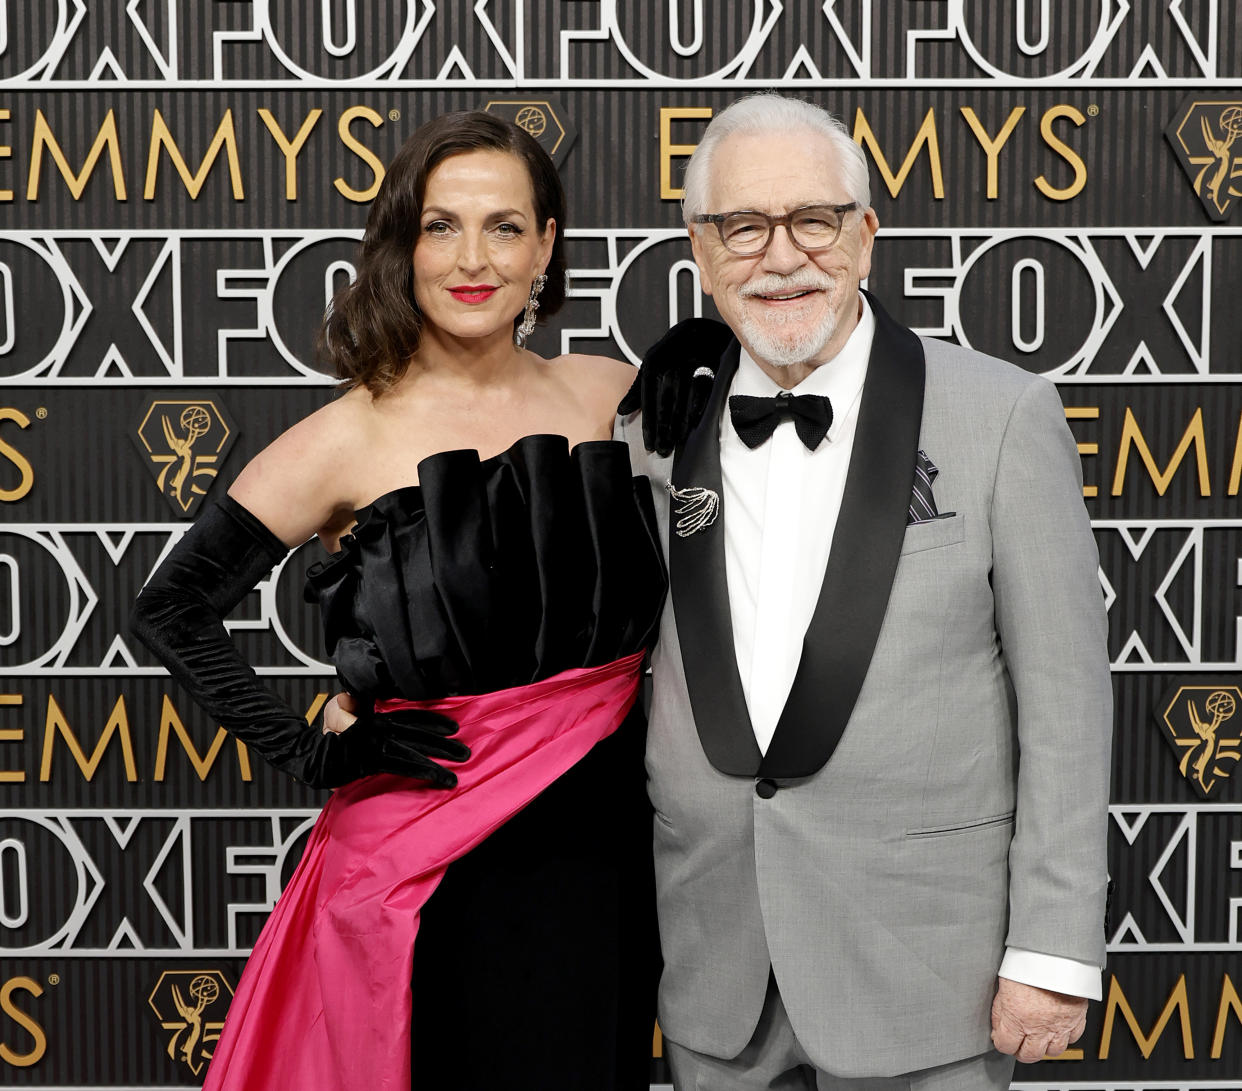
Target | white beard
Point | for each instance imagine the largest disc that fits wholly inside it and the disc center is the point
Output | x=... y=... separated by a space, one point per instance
x=796 y=347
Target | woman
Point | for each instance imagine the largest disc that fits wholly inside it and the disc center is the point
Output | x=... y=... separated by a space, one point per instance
x=492 y=591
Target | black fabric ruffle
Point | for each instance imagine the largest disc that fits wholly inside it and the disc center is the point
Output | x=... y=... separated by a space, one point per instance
x=494 y=573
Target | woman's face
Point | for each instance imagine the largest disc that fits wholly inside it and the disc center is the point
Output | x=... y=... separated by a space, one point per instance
x=479 y=246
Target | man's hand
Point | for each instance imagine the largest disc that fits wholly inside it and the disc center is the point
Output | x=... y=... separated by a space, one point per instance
x=1031 y=1023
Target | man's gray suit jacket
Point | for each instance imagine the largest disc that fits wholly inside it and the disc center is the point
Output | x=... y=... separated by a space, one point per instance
x=942 y=764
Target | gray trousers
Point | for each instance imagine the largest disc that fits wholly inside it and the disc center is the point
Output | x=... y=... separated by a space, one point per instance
x=774 y=1060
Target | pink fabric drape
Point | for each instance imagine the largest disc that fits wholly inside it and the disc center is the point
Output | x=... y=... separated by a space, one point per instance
x=324 y=1002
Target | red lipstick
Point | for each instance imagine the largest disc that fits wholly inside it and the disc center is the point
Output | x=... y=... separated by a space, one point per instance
x=472 y=293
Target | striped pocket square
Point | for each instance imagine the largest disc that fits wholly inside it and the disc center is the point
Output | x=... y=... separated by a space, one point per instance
x=922 y=503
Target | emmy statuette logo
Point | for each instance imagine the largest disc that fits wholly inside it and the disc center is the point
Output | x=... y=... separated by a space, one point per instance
x=190 y=1005
x=1206 y=135
x=184 y=444
x=544 y=119
x=532 y=119
x=1199 y=723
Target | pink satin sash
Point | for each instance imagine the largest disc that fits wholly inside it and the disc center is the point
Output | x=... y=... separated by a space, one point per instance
x=324 y=1002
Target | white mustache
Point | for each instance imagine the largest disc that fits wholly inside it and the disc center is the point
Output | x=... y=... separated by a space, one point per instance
x=775 y=284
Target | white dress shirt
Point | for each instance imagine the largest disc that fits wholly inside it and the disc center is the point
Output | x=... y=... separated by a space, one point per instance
x=782 y=502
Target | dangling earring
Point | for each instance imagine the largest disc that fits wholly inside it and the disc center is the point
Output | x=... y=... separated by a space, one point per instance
x=527 y=325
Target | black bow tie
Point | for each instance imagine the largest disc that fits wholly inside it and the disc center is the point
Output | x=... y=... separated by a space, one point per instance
x=755 y=419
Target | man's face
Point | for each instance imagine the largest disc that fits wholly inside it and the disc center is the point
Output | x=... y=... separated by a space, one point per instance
x=792 y=310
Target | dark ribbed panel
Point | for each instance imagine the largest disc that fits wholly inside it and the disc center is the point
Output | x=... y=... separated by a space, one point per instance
x=30 y=31
x=91 y=468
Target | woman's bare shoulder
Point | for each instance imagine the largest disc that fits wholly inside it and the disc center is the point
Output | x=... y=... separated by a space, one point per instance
x=322 y=439
x=602 y=376
x=304 y=479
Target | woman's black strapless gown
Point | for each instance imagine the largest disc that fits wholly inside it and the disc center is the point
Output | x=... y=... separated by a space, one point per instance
x=516 y=594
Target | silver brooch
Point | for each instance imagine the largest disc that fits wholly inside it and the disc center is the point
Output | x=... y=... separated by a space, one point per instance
x=696 y=506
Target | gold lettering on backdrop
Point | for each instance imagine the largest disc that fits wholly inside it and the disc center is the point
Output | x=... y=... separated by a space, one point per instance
x=161 y=137
x=45 y=144
x=290 y=148
x=14 y=456
x=8 y=1006
x=925 y=137
x=361 y=151
x=320 y=699
x=6 y=151
x=1085 y=450
x=44 y=138
x=171 y=722
x=670 y=151
x=992 y=147
x=1064 y=151
x=1229 y=1002
x=11 y=734
x=1132 y=436
x=1235 y=471
x=1117 y=1001
x=118 y=724
x=171 y=727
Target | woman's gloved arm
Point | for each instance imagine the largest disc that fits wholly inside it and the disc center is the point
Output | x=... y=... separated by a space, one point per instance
x=674 y=384
x=180 y=616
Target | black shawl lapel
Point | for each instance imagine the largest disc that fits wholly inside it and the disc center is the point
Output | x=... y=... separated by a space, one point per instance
x=865 y=549
x=701 y=597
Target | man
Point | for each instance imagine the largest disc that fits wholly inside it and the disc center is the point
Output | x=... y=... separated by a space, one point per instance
x=879 y=735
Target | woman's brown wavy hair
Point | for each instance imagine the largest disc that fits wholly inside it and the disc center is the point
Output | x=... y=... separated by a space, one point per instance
x=373 y=326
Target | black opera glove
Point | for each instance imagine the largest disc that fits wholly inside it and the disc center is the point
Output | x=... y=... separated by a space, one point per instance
x=405 y=740
x=180 y=616
x=675 y=381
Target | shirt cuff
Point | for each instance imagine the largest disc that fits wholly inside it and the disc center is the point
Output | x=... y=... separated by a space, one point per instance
x=1052 y=972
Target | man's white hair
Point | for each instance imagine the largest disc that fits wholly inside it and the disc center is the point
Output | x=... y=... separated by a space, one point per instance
x=763 y=114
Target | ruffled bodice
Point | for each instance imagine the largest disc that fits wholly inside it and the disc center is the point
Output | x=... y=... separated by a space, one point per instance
x=494 y=573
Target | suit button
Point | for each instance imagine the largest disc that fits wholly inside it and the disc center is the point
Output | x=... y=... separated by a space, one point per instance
x=765 y=788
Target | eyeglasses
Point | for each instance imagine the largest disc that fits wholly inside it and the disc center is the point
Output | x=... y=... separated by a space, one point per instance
x=747 y=234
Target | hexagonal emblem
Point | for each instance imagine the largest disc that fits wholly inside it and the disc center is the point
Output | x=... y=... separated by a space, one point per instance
x=184 y=442
x=1206 y=134
x=545 y=119
x=190 y=1005
x=1201 y=723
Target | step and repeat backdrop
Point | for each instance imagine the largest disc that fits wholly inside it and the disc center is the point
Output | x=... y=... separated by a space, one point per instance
x=183 y=182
